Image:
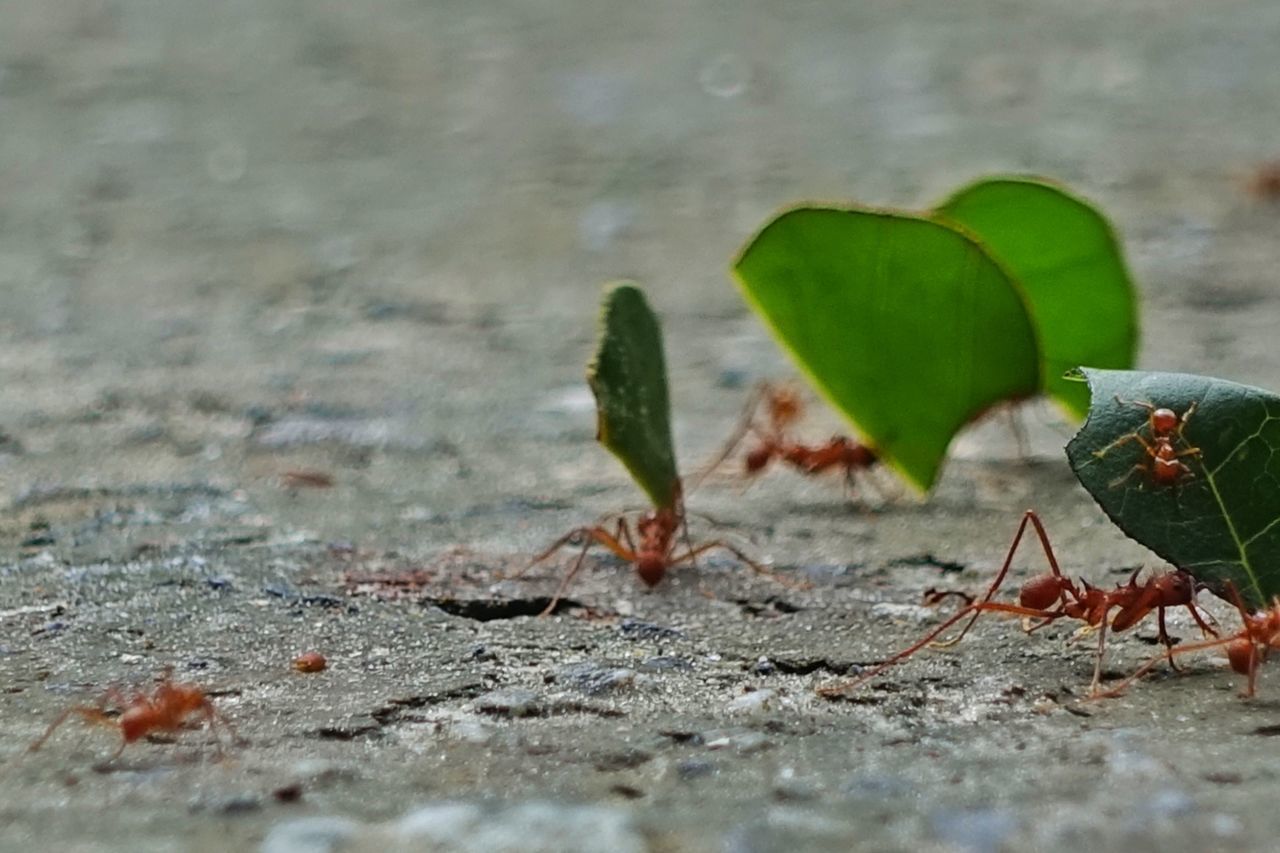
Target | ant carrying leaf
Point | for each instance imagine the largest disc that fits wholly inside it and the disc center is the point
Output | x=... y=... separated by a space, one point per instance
x=629 y=379
x=782 y=408
x=1051 y=596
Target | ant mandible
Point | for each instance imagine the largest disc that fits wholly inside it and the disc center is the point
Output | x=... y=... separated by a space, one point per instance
x=1246 y=649
x=652 y=549
x=1165 y=466
x=1052 y=596
x=168 y=708
x=783 y=408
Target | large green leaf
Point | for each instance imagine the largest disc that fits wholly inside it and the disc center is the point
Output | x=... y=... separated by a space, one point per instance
x=1220 y=520
x=629 y=379
x=905 y=325
x=1065 y=256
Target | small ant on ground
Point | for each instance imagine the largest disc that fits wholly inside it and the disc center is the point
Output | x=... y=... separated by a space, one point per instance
x=1246 y=649
x=168 y=708
x=1051 y=596
x=1164 y=465
x=783 y=408
x=652 y=549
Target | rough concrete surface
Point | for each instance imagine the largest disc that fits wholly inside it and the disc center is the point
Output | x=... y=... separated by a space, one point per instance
x=248 y=241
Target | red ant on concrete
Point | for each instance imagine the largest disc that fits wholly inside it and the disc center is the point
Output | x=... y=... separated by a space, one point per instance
x=167 y=709
x=1246 y=649
x=1164 y=465
x=652 y=549
x=1052 y=596
x=784 y=408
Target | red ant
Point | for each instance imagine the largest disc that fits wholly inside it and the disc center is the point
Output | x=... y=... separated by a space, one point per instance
x=784 y=407
x=1246 y=649
x=169 y=707
x=1164 y=467
x=1052 y=596
x=655 y=553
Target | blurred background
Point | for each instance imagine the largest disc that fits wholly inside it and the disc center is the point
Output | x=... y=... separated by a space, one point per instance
x=254 y=235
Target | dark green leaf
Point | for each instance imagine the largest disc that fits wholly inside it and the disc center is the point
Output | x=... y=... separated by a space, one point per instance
x=629 y=379
x=1067 y=260
x=1220 y=521
x=905 y=325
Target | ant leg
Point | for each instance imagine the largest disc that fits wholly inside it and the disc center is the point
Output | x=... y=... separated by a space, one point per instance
x=1120 y=481
x=214 y=721
x=1019 y=430
x=839 y=688
x=1166 y=640
x=1123 y=440
x=596 y=535
x=1182 y=649
x=590 y=535
x=1150 y=407
x=842 y=687
x=690 y=555
x=89 y=713
x=1096 y=683
x=565 y=581
x=568 y=538
x=1186 y=416
x=57 y=722
x=746 y=425
x=1028 y=517
x=1205 y=630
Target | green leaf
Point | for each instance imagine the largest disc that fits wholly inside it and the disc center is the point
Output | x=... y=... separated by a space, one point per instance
x=1220 y=521
x=906 y=326
x=629 y=379
x=1067 y=260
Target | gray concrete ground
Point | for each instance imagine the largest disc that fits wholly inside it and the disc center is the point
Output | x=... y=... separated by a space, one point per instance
x=248 y=238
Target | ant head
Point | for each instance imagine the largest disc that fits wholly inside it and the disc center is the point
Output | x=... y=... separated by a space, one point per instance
x=1240 y=654
x=651 y=568
x=1041 y=592
x=1163 y=421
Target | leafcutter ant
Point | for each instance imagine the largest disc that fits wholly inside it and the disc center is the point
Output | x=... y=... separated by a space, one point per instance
x=168 y=708
x=1164 y=465
x=1246 y=649
x=660 y=542
x=782 y=409
x=1051 y=596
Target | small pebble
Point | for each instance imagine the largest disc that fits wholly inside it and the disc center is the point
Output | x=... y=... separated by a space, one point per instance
x=755 y=702
x=593 y=679
x=694 y=768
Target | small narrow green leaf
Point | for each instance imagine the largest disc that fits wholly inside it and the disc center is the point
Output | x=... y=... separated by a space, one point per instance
x=629 y=379
x=1220 y=519
x=906 y=326
x=1065 y=256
